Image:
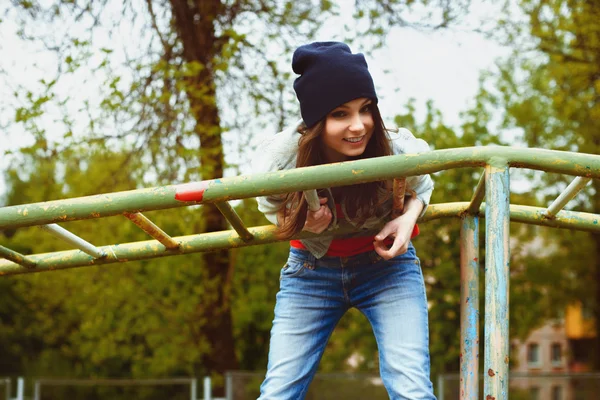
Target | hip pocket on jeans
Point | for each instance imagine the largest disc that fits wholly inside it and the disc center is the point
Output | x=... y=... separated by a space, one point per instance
x=292 y=269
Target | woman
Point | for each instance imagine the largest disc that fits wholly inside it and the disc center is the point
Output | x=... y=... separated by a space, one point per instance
x=323 y=277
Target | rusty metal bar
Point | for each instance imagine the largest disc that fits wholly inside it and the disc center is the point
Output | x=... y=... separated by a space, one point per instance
x=312 y=199
x=152 y=229
x=74 y=240
x=469 y=308
x=235 y=220
x=15 y=257
x=268 y=234
x=567 y=195
x=478 y=196
x=399 y=191
x=497 y=214
x=298 y=179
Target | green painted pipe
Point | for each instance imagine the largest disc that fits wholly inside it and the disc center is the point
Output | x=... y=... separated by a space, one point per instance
x=337 y=174
x=267 y=234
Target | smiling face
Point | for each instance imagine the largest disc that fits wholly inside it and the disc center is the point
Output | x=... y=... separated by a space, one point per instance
x=348 y=129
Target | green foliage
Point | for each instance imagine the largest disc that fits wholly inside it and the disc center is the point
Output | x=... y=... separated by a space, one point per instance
x=547 y=93
x=160 y=117
x=255 y=284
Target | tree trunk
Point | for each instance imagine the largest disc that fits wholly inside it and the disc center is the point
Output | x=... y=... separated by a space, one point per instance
x=195 y=24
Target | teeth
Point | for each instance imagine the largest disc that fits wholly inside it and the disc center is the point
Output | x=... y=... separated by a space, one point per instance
x=354 y=140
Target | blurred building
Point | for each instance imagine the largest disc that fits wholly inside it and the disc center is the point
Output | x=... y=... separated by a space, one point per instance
x=543 y=364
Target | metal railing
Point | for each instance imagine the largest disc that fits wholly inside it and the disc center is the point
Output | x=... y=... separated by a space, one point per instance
x=494 y=186
x=39 y=383
x=534 y=386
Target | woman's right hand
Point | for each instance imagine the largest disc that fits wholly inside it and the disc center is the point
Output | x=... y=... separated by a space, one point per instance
x=318 y=221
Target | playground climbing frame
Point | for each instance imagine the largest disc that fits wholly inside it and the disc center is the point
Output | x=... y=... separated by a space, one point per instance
x=494 y=186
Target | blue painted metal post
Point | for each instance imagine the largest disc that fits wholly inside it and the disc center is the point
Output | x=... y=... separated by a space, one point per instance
x=469 y=308
x=497 y=219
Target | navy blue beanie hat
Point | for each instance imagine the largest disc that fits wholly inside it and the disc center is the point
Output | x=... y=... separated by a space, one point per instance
x=330 y=75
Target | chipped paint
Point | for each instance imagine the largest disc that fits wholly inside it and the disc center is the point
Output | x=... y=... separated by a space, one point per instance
x=273 y=183
x=17 y=258
x=497 y=214
x=469 y=308
x=339 y=174
x=151 y=229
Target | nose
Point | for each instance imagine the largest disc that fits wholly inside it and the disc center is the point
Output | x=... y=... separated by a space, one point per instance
x=356 y=123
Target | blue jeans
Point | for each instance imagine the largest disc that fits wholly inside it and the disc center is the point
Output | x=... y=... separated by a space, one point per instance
x=313 y=296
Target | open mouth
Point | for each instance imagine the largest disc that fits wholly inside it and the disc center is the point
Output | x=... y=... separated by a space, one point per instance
x=355 y=139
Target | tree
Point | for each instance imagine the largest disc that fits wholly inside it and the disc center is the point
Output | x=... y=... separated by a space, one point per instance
x=550 y=91
x=191 y=63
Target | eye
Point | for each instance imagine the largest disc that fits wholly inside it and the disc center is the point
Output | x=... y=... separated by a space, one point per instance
x=367 y=108
x=338 y=114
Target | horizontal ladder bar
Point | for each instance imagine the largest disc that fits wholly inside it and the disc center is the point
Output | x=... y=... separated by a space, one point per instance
x=235 y=221
x=298 y=179
x=74 y=240
x=15 y=257
x=152 y=229
x=268 y=234
x=567 y=195
x=478 y=196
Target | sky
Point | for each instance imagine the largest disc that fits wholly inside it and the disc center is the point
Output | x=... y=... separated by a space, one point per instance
x=443 y=66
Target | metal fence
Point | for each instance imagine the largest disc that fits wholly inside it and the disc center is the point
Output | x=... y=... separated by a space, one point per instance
x=325 y=386
x=533 y=386
x=62 y=388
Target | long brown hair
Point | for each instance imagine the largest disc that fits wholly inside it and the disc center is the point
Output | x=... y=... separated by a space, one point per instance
x=360 y=200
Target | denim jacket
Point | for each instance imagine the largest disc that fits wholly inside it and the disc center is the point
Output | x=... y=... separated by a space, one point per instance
x=279 y=153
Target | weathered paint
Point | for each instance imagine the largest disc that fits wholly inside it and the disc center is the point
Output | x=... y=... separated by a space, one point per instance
x=567 y=195
x=16 y=257
x=478 y=196
x=73 y=240
x=152 y=229
x=524 y=214
x=192 y=191
x=497 y=215
x=399 y=190
x=299 y=179
x=312 y=198
x=469 y=308
x=125 y=252
x=235 y=221
x=573 y=220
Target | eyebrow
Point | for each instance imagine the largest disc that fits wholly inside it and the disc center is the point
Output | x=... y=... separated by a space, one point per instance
x=366 y=102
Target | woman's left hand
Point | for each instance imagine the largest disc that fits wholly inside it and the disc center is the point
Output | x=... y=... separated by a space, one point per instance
x=400 y=229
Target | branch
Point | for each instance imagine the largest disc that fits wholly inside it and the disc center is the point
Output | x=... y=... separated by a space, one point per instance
x=155 y=26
